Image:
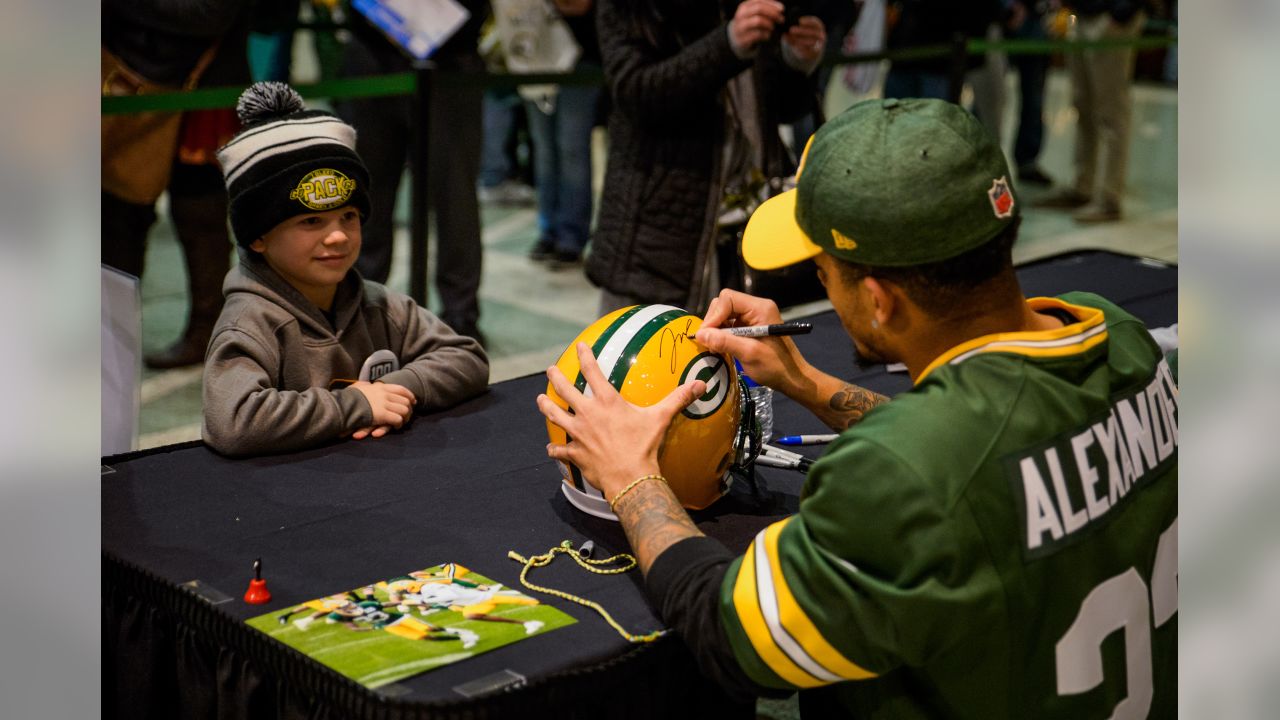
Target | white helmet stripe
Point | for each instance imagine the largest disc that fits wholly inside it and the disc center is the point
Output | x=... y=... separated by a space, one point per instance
x=612 y=350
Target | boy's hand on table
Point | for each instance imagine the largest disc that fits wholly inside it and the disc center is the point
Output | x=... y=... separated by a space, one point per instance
x=392 y=407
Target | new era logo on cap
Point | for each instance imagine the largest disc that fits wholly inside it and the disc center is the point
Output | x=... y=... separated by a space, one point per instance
x=844 y=242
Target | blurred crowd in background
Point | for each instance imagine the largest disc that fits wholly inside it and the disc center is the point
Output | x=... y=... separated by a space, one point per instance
x=707 y=108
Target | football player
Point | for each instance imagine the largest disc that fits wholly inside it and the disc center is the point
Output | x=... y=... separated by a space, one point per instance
x=1000 y=541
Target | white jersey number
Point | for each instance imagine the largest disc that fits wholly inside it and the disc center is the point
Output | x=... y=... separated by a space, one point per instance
x=1121 y=602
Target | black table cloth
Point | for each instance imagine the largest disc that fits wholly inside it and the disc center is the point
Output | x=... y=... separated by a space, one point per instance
x=463 y=486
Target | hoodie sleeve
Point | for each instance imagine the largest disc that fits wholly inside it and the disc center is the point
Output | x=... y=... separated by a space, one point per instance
x=244 y=413
x=441 y=367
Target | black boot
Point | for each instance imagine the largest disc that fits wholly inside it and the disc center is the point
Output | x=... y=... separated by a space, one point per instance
x=200 y=221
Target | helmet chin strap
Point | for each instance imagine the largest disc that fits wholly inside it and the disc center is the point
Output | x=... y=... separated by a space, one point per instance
x=747 y=444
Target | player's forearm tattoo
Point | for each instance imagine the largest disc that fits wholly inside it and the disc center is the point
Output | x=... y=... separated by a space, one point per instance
x=852 y=402
x=654 y=521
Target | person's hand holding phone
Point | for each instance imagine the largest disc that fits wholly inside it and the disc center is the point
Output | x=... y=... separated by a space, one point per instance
x=753 y=23
x=807 y=38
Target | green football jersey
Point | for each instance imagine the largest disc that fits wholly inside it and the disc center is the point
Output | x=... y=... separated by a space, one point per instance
x=998 y=542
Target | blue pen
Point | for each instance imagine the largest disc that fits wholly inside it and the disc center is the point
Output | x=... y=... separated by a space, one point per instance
x=806 y=439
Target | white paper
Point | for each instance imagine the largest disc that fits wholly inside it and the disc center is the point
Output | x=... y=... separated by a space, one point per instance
x=419 y=26
x=121 y=361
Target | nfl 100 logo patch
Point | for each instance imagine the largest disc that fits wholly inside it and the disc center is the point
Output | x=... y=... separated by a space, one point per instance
x=378 y=364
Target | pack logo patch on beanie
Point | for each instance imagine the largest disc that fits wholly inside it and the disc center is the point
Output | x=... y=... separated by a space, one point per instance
x=1001 y=197
x=323 y=189
x=288 y=161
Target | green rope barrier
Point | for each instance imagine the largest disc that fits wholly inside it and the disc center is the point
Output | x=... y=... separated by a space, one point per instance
x=978 y=46
x=1036 y=47
x=221 y=97
x=403 y=83
x=505 y=81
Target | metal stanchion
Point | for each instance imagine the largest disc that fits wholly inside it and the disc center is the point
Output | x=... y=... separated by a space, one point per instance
x=959 y=66
x=423 y=72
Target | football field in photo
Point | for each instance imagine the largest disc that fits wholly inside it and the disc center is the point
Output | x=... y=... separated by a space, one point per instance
x=375 y=654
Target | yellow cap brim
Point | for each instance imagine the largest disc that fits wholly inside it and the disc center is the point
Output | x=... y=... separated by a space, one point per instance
x=773 y=239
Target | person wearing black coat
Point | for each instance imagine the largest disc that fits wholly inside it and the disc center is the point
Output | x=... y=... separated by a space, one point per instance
x=384 y=126
x=922 y=23
x=691 y=85
x=164 y=41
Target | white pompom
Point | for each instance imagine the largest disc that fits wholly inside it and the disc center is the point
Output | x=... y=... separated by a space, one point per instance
x=268 y=100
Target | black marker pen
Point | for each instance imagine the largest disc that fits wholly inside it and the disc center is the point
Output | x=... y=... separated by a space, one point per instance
x=786 y=328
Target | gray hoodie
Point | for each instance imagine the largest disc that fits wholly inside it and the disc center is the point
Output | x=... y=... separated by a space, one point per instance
x=274 y=354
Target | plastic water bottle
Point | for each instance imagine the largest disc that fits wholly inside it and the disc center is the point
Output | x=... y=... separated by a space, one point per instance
x=762 y=396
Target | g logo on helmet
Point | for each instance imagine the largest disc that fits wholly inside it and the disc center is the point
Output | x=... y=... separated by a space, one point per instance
x=646 y=351
x=714 y=371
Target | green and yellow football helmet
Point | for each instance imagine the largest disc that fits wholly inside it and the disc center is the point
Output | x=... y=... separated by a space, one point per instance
x=647 y=351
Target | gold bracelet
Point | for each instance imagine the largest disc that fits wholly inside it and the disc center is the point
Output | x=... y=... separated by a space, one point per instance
x=627 y=489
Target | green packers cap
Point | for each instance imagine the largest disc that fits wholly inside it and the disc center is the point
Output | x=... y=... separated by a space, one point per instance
x=888 y=182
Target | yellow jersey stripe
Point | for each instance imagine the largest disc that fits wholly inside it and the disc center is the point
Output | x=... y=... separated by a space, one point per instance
x=796 y=623
x=1084 y=342
x=766 y=592
x=1067 y=340
x=747 y=607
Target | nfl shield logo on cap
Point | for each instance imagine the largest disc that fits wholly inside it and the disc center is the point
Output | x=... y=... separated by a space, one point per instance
x=1001 y=198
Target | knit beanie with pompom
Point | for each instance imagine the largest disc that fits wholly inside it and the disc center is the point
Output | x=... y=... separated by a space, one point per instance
x=288 y=161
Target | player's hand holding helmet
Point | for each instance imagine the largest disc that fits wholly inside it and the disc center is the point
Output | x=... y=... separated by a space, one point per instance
x=642 y=354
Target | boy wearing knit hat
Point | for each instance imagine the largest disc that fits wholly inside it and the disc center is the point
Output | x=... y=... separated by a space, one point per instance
x=999 y=541
x=305 y=350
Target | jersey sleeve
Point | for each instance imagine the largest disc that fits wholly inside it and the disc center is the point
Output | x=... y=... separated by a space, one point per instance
x=871 y=574
x=683 y=586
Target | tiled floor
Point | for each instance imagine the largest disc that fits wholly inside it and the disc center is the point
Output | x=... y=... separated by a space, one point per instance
x=530 y=313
